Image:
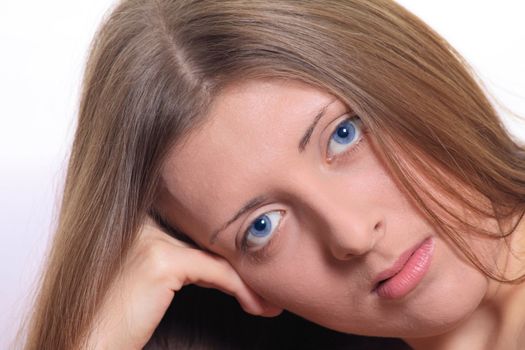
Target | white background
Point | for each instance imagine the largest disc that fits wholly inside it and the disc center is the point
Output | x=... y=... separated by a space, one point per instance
x=43 y=46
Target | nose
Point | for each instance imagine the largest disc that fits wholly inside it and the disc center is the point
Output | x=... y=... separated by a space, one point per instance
x=353 y=239
x=349 y=228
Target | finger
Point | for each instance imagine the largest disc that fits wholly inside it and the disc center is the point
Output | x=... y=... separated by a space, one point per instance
x=208 y=270
x=213 y=271
x=152 y=229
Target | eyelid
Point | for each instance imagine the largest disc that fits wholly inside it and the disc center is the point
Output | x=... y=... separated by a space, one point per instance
x=350 y=152
x=363 y=130
x=262 y=255
x=241 y=244
x=331 y=126
x=266 y=252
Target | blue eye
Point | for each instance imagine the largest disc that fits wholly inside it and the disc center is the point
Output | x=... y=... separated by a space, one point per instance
x=346 y=134
x=261 y=229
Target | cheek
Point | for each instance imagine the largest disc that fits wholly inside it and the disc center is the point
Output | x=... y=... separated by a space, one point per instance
x=289 y=278
x=453 y=292
x=301 y=282
x=283 y=283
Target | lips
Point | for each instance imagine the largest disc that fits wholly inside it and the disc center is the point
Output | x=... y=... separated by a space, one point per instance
x=396 y=267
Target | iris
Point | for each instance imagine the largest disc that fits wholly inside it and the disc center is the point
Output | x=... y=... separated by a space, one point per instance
x=346 y=134
x=262 y=229
x=261 y=226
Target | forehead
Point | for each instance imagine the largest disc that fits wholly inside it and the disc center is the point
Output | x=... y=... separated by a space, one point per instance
x=247 y=144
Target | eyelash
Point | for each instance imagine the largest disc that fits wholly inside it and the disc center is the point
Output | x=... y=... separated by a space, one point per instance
x=262 y=254
x=346 y=155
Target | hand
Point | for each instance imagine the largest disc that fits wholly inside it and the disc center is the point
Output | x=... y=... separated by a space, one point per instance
x=156 y=267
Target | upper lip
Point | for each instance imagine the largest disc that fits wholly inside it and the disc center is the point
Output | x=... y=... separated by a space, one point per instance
x=397 y=266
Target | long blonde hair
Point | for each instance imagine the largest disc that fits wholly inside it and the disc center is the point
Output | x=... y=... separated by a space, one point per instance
x=155 y=66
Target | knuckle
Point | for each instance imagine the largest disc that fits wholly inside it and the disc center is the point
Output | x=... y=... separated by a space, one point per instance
x=211 y=258
x=223 y=263
x=158 y=261
x=224 y=268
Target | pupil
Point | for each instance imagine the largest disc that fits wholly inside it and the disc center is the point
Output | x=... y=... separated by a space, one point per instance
x=260 y=225
x=342 y=132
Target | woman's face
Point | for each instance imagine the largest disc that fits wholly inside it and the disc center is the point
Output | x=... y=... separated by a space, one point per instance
x=285 y=183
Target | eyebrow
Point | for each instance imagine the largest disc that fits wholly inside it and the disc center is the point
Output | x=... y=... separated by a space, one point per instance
x=246 y=207
x=308 y=133
x=254 y=202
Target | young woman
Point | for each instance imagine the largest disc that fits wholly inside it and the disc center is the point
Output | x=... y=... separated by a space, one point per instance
x=337 y=160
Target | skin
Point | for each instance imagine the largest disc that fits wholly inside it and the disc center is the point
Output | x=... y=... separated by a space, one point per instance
x=343 y=222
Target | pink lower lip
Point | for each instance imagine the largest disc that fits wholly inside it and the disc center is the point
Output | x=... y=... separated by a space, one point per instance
x=410 y=275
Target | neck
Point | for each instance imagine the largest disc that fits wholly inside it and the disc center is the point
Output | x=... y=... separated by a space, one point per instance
x=499 y=320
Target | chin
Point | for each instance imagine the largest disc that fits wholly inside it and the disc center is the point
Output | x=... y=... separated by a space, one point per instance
x=437 y=309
